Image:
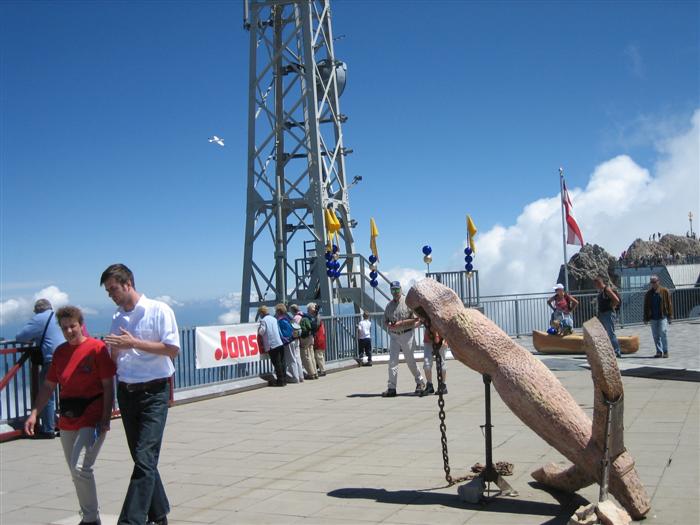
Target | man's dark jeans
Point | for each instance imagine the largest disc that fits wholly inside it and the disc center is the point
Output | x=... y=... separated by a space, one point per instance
x=143 y=415
x=277 y=358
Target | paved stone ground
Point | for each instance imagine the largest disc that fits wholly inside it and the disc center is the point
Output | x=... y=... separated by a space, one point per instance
x=333 y=451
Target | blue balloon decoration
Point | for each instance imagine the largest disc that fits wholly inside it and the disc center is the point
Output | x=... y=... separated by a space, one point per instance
x=427 y=250
x=329 y=256
x=469 y=267
x=374 y=283
x=329 y=273
x=467 y=251
x=373 y=275
x=335 y=248
x=336 y=273
x=468 y=259
x=336 y=264
x=372 y=259
x=329 y=264
x=551 y=331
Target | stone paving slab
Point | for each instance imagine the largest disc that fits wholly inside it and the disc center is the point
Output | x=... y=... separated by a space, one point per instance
x=333 y=451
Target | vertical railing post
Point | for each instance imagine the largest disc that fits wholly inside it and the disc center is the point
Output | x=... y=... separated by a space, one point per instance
x=517 y=318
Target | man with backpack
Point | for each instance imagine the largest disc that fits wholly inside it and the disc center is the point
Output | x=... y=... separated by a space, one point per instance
x=290 y=338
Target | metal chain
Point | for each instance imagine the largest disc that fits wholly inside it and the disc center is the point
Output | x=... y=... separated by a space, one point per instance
x=441 y=413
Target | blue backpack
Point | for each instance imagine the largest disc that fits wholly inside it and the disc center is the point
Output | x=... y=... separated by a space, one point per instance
x=286 y=331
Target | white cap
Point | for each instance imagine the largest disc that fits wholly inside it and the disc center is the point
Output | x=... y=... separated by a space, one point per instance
x=559 y=286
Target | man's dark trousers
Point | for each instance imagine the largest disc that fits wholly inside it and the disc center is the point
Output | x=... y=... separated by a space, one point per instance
x=143 y=414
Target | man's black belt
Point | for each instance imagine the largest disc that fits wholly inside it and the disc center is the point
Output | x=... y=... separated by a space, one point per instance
x=142 y=387
x=402 y=332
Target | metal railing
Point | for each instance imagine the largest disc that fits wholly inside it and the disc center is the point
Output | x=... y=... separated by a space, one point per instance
x=517 y=315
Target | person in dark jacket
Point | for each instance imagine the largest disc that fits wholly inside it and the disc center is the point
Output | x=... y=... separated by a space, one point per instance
x=658 y=310
x=607 y=303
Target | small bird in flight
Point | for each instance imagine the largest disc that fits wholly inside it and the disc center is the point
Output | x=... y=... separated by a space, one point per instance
x=216 y=140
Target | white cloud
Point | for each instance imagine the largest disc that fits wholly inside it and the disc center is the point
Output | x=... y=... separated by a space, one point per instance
x=18 y=309
x=621 y=202
x=13 y=310
x=88 y=311
x=56 y=297
x=231 y=301
x=170 y=301
x=406 y=276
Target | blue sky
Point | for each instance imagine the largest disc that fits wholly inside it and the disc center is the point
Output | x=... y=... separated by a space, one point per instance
x=455 y=107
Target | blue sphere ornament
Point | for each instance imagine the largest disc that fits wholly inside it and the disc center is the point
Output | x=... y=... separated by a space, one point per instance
x=427 y=250
x=329 y=264
x=551 y=331
x=374 y=283
x=469 y=267
x=373 y=275
x=372 y=259
x=329 y=256
x=468 y=259
x=336 y=264
x=467 y=251
x=336 y=274
x=335 y=248
x=329 y=273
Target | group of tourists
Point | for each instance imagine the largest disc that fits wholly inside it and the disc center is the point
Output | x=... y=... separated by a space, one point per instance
x=658 y=310
x=294 y=341
x=140 y=348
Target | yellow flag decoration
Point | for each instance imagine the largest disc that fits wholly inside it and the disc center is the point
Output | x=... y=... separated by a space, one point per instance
x=471 y=230
x=373 y=233
x=332 y=225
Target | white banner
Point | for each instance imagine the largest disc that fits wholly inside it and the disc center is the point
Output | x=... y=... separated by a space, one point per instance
x=226 y=345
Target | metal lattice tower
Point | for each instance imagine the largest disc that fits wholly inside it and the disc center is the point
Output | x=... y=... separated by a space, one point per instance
x=296 y=157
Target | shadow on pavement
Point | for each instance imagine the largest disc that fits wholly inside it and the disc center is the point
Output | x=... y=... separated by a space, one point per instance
x=651 y=372
x=404 y=394
x=558 y=514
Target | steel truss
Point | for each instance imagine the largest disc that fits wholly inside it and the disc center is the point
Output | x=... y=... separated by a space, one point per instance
x=296 y=156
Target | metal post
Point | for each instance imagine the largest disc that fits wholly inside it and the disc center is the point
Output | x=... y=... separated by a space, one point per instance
x=517 y=318
x=563 y=228
x=490 y=473
x=690 y=219
x=605 y=460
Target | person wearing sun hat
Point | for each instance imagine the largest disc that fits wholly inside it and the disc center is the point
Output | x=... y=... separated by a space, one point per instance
x=563 y=306
x=400 y=323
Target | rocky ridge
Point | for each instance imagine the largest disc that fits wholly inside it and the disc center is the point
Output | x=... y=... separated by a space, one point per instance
x=593 y=260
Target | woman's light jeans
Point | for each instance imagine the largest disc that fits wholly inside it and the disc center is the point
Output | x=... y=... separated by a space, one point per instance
x=80 y=449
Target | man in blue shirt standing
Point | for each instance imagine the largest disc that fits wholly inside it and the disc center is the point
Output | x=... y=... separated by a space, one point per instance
x=42 y=329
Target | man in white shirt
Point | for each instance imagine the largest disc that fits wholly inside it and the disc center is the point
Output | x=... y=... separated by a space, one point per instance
x=143 y=340
x=400 y=323
x=269 y=331
x=364 y=339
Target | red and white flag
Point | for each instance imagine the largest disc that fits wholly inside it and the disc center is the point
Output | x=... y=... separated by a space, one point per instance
x=573 y=232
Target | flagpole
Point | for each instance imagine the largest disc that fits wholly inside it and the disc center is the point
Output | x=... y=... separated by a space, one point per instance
x=563 y=227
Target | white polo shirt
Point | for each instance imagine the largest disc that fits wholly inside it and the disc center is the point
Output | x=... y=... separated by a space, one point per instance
x=150 y=320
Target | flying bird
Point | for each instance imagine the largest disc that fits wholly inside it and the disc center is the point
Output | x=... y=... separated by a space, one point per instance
x=216 y=140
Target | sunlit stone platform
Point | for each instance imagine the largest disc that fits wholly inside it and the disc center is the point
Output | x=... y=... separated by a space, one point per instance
x=334 y=451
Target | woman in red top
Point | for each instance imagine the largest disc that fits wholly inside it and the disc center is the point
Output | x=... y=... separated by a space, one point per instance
x=84 y=369
x=563 y=306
